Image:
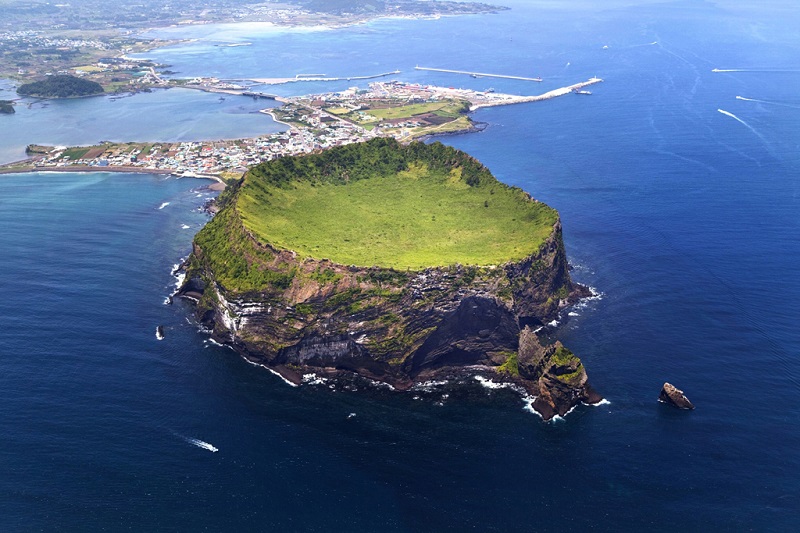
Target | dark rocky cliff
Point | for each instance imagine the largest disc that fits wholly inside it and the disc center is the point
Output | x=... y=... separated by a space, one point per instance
x=404 y=327
x=307 y=315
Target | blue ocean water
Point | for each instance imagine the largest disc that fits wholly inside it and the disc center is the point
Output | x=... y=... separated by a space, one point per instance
x=683 y=217
x=164 y=115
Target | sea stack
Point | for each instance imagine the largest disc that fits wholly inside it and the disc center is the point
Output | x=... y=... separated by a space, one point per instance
x=400 y=263
x=674 y=397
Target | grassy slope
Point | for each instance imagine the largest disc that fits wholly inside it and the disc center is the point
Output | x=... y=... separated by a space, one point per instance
x=411 y=220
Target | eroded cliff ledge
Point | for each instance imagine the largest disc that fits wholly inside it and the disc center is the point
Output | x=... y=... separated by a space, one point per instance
x=265 y=287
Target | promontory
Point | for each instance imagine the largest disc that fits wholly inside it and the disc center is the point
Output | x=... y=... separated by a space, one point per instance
x=401 y=263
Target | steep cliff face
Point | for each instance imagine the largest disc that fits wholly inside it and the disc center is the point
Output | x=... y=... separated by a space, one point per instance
x=402 y=327
x=399 y=327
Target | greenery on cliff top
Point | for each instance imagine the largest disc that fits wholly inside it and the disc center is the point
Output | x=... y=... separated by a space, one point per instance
x=373 y=204
x=385 y=204
x=61 y=86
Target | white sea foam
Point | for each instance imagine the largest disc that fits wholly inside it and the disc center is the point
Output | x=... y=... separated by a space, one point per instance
x=598 y=404
x=162 y=206
x=179 y=279
x=313 y=379
x=527 y=401
x=380 y=384
x=427 y=386
x=273 y=371
x=559 y=418
x=489 y=384
x=553 y=324
x=573 y=313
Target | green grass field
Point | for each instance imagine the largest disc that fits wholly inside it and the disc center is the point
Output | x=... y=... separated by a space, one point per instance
x=448 y=108
x=75 y=153
x=409 y=220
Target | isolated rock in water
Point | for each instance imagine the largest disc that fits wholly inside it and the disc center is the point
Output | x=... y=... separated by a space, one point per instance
x=673 y=396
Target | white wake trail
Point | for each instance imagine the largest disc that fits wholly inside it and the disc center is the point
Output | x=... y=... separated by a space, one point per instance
x=770 y=102
x=749 y=127
x=755 y=70
x=202 y=444
x=197 y=442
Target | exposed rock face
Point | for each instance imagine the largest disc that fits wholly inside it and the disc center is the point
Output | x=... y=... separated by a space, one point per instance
x=674 y=397
x=398 y=327
x=401 y=327
x=561 y=380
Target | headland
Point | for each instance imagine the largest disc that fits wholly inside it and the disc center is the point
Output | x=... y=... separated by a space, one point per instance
x=449 y=275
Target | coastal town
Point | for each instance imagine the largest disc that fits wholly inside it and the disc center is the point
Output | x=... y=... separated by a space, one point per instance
x=315 y=122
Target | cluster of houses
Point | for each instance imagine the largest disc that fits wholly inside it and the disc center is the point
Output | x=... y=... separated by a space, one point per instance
x=34 y=39
x=209 y=157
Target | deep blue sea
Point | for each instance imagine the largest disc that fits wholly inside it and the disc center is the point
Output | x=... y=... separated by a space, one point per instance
x=686 y=219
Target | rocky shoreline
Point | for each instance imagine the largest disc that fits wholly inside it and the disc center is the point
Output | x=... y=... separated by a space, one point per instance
x=462 y=333
x=299 y=315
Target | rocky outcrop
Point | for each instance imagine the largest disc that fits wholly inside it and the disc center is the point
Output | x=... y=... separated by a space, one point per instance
x=673 y=396
x=404 y=327
x=307 y=315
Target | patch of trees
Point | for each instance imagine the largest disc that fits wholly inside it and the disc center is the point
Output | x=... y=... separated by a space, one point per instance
x=60 y=86
x=377 y=157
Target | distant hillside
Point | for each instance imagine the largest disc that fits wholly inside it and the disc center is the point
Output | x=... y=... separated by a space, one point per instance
x=62 y=86
x=345 y=6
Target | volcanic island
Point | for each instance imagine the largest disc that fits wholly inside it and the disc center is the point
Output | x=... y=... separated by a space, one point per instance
x=401 y=263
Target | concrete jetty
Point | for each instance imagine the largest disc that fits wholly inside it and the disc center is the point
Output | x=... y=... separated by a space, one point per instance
x=309 y=77
x=477 y=74
x=511 y=99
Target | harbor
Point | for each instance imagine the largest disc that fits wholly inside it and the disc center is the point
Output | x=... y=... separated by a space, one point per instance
x=318 y=77
x=477 y=74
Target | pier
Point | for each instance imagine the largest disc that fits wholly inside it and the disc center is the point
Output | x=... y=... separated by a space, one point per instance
x=308 y=77
x=477 y=74
x=555 y=93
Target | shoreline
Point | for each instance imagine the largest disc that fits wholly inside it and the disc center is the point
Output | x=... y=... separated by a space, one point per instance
x=218 y=185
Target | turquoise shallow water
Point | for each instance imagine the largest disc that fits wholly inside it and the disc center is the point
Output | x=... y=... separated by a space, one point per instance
x=683 y=217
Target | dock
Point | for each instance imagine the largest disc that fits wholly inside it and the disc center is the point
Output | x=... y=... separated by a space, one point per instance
x=309 y=77
x=555 y=93
x=477 y=74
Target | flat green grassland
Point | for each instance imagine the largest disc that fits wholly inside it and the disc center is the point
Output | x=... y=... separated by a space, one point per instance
x=448 y=108
x=411 y=220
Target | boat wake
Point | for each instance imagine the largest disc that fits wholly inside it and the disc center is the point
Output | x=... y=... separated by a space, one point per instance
x=749 y=127
x=200 y=444
x=782 y=104
x=162 y=206
x=755 y=70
